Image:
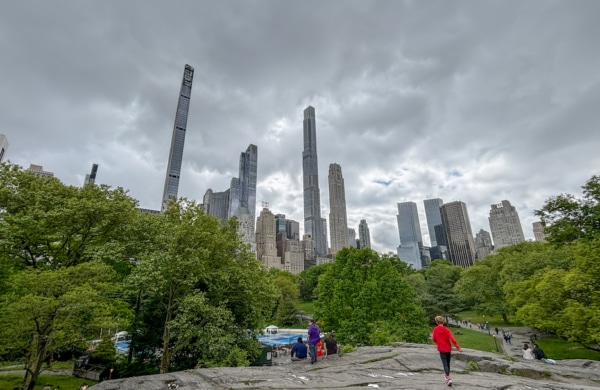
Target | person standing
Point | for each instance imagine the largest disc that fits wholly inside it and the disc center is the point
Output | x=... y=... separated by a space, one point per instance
x=443 y=338
x=314 y=336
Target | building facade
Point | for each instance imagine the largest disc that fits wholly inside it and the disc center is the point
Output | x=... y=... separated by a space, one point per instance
x=266 y=246
x=90 y=178
x=538 y=231
x=434 y=218
x=178 y=138
x=364 y=235
x=458 y=233
x=483 y=244
x=3 y=147
x=242 y=191
x=38 y=170
x=338 y=223
x=314 y=225
x=409 y=229
x=505 y=225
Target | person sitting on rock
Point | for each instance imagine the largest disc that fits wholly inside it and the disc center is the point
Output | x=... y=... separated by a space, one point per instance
x=540 y=355
x=331 y=344
x=299 y=350
x=527 y=352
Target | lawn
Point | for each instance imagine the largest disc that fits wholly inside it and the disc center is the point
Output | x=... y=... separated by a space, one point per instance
x=476 y=340
x=306 y=307
x=9 y=382
x=556 y=348
x=478 y=318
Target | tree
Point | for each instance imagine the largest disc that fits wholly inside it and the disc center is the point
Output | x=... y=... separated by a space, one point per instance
x=309 y=279
x=440 y=298
x=288 y=293
x=366 y=300
x=47 y=224
x=47 y=310
x=193 y=268
x=568 y=219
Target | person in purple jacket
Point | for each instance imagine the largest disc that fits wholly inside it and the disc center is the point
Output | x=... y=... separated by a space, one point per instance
x=314 y=336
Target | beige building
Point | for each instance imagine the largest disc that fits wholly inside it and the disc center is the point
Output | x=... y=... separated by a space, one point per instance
x=538 y=232
x=266 y=248
x=459 y=236
x=38 y=170
x=338 y=223
x=505 y=225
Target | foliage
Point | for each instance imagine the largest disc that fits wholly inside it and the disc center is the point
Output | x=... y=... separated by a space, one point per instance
x=309 y=279
x=365 y=298
x=105 y=352
x=46 y=310
x=288 y=293
x=567 y=219
x=200 y=287
x=47 y=224
x=437 y=288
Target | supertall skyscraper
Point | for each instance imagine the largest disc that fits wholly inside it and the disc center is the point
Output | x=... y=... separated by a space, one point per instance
x=178 y=139
x=242 y=193
x=505 y=225
x=338 y=223
x=459 y=236
x=409 y=228
x=90 y=178
x=314 y=225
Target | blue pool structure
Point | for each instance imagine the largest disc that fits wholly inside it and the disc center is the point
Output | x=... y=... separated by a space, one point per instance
x=281 y=338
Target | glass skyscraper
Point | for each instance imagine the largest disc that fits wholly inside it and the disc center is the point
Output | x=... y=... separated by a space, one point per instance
x=411 y=240
x=459 y=236
x=314 y=225
x=178 y=138
x=434 y=218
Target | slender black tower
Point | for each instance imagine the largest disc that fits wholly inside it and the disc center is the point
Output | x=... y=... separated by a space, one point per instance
x=178 y=139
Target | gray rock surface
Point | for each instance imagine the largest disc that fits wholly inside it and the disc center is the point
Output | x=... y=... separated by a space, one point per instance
x=403 y=366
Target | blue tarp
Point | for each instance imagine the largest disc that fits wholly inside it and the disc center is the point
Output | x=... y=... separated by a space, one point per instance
x=281 y=338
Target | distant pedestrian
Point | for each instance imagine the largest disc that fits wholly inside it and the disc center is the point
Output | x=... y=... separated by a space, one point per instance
x=443 y=338
x=314 y=336
x=497 y=330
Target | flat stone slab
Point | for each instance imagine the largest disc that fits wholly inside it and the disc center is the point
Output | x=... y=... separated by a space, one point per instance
x=403 y=366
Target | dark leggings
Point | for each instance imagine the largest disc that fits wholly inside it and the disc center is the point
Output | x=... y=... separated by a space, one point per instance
x=445 y=356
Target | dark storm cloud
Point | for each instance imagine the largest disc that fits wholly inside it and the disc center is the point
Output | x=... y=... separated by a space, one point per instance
x=462 y=100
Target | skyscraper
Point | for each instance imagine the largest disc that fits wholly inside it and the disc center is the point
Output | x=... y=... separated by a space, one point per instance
x=459 y=236
x=364 y=235
x=538 y=231
x=338 y=223
x=38 y=170
x=178 y=138
x=314 y=225
x=3 y=146
x=483 y=244
x=243 y=188
x=434 y=218
x=266 y=246
x=505 y=225
x=409 y=228
x=90 y=178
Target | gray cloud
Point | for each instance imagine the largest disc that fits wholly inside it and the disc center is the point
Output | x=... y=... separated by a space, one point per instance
x=462 y=100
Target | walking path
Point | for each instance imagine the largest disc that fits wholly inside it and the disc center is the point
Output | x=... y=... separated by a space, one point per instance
x=521 y=335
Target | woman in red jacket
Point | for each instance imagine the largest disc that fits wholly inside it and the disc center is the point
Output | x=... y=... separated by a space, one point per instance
x=444 y=339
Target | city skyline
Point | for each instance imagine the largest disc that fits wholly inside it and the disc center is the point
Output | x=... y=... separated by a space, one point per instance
x=453 y=100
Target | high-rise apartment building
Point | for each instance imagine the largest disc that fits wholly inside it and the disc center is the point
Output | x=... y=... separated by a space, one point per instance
x=483 y=244
x=314 y=225
x=409 y=228
x=338 y=223
x=90 y=178
x=3 y=146
x=434 y=218
x=216 y=204
x=505 y=225
x=352 y=242
x=538 y=231
x=266 y=246
x=178 y=138
x=364 y=236
x=292 y=229
x=459 y=236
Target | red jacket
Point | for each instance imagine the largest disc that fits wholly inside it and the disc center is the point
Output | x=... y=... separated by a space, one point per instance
x=442 y=336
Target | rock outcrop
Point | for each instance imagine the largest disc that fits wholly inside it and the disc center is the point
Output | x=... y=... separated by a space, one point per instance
x=403 y=366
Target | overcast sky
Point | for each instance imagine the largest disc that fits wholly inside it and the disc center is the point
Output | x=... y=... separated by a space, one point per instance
x=477 y=101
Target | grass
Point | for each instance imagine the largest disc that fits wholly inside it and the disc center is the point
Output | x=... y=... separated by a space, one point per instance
x=557 y=349
x=478 y=318
x=9 y=382
x=307 y=307
x=476 y=340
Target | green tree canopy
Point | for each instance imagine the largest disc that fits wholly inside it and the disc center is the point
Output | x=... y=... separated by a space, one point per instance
x=440 y=297
x=364 y=297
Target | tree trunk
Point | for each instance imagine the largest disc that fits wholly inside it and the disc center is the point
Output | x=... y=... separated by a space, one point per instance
x=165 y=360
x=35 y=361
x=504 y=318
